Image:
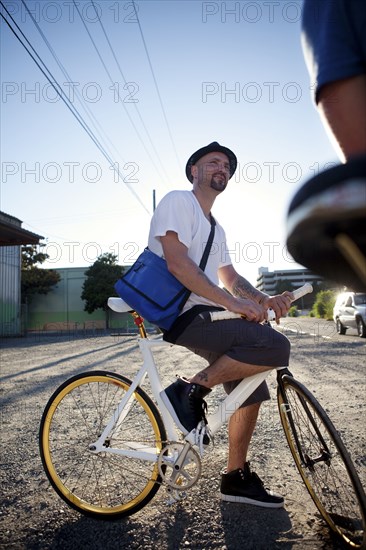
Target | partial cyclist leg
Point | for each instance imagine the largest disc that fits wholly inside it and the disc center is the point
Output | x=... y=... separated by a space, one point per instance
x=241 y=428
x=234 y=349
x=226 y=369
x=238 y=482
x=185 y=398
x=342 y=106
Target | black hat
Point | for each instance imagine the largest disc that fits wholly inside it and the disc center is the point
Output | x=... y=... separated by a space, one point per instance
x=213 y=147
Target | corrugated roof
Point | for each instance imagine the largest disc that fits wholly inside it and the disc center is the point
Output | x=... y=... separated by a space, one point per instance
x=12 y=234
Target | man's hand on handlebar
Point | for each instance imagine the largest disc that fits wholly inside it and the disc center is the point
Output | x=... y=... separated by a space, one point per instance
x=249 y=309
x=280 y=304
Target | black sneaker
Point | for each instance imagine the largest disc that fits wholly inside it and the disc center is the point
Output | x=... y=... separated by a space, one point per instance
x=185 y=403
x=246 y=487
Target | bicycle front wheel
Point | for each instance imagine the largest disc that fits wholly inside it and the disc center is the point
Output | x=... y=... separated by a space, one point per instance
x=323 y=462
x=102 y=485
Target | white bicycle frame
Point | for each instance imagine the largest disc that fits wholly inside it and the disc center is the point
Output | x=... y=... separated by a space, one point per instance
x=149 y=368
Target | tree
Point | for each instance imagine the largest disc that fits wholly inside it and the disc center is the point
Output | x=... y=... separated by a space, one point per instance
x=282 y=285
x=324 y=303
x=99 y=283
x=35 y=280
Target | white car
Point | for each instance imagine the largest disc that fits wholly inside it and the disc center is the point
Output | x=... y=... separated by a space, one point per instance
x=350 y=312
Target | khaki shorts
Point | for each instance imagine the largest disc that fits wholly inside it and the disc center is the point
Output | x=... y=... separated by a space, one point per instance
x=241 y=340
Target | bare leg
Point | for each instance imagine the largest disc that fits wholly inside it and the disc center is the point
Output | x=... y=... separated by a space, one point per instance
x=243 y=421
x=342 y=107
x=226 y=369
x=241 y=428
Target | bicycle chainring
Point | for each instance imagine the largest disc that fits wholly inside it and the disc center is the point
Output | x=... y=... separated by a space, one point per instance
x=179 y=465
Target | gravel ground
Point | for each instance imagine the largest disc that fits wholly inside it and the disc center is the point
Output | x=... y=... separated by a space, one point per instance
x=32 y=516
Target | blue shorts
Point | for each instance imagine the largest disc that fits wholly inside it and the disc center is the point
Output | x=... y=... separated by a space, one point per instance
x=334 y=40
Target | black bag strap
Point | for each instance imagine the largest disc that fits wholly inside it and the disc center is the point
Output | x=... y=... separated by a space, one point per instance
x=208 y=246
x=204 y=258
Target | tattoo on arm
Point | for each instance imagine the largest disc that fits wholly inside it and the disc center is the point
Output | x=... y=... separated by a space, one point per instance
x=243 y=289
x=203 y=376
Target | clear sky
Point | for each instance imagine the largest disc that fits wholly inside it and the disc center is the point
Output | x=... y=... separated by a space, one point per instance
x=198 y=72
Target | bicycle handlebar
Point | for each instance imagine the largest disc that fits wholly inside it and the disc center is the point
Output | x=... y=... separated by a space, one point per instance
x=298 y=293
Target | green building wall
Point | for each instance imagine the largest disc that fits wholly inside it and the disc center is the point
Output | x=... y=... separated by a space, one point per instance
x=63 y=309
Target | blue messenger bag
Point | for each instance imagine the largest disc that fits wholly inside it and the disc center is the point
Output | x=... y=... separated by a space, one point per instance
x=152 y=291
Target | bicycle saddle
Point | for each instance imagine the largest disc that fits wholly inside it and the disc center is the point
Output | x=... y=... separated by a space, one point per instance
x=119 y=305
x=326 y=224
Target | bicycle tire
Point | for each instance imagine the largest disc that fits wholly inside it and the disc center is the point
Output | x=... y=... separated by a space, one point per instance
x=103 y=485
x=332 y=481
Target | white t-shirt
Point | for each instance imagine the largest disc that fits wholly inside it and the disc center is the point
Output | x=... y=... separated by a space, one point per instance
x=179 y=211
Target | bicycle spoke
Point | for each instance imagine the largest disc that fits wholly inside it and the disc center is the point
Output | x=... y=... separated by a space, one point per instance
x=104 y=482
x=324 y=464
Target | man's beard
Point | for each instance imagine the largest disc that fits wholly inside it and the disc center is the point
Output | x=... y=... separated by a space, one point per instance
x=218 y=185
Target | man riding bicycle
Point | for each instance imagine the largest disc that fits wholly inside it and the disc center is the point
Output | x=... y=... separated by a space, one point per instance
x=235 y=348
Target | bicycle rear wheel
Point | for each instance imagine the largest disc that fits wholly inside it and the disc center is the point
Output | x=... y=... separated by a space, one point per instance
x=323 y=462
x=102 y=485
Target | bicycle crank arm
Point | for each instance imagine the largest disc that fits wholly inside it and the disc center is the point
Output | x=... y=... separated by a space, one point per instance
x=179 y=465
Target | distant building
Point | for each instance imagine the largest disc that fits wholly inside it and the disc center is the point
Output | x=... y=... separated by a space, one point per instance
x=62 y=309
x=267 y=280
x=12 y=236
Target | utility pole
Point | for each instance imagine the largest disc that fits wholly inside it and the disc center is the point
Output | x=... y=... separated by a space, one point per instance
x=154 y=200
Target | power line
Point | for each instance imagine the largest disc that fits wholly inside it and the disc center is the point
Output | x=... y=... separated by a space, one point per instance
x=124 y=79
x=111 y=80
x=65 y=99
x=156 y=85
x=58 y=91
x=88 y=111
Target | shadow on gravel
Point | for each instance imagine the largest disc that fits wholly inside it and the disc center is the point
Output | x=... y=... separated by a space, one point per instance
x=89 y=534
x=52 y=380
x=66 y=359
x=239 y=529
x=252 y=528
